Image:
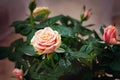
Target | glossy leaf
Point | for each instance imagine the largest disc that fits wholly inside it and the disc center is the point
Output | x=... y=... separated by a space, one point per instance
x=49 y=22
x=63 y=30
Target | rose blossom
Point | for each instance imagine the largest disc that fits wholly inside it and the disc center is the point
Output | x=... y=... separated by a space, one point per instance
x=46 y=40
x=110 y=35
x=18 y=73
x=87 y=14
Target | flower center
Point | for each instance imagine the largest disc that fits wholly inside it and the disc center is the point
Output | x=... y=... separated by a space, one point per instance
x=46 y=36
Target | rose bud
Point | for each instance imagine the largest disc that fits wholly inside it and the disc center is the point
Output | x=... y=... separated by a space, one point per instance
x=18 y=73
x=87 y=14
x=46 y=40
x=42 y=11
x=110 y=35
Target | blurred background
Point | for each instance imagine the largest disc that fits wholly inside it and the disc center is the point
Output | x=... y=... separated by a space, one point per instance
x=103 y=12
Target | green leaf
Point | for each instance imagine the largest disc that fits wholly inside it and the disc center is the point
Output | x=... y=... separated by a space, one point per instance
x=18 y=43
x=87 y=48
x=65 y=63
x=96 y=35
x=33 y=74
x=30 y=36
x=28 y=50
x=60 y=50
x=81 y=55
x=84 y=52
x=116 y=49
x=91 y=39
x=63 y=30
x=49 y=22
x=15 y=56
x=14 y=53
x=21 y=63
x=89 y=25
x=39 y=18
x=84 y=31
x=22 y=27
x=4 y=52
x=115 y=64
x=68 y=21
x=16 y=23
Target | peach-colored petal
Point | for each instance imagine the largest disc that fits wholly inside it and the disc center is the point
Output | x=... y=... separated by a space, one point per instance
x=46 y=40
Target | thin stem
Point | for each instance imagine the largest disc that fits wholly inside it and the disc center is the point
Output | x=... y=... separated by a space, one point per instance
x=52 y=62
x=50 y=57
x=31 y=20
x=39 y=66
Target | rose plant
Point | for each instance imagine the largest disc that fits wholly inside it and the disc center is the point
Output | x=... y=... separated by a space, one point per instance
x=62 y=48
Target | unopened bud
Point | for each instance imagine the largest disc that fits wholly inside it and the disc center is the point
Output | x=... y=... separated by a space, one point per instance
x=18 y=73
x=43 y=11
x=87 y=14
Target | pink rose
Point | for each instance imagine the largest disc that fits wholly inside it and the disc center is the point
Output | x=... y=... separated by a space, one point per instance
x=18 y=73
x=87 y=14
x=110 y=35
x=46 y=40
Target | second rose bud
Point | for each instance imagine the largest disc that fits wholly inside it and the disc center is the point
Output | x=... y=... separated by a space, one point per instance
x=110 y=35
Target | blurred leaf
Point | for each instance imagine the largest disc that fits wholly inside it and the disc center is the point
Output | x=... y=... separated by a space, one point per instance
x=63 y=30
x=18 y=43
x=22 y=27
x=69 y=22
x=84 y=31
x=96 y=35
x=89 y=25
x=15 y=56
x=90 y=39
x=81 y=55
x=4 y=52
x=115 y=64
x=30 y=36
x=60 y=50
x=33 y=74
x=85 y=52
x=21 y=63
x=116 y=50
x=64 y=63
x=16 y=23
x=39 y=17
x=87 y=48
x=49 y=22
x=28 y=50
